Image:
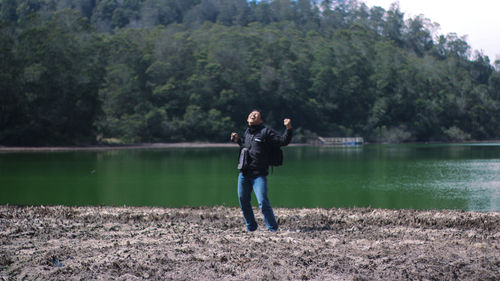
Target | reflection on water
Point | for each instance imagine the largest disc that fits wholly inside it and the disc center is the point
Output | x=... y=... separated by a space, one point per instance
x=395 y=176
x=439 y=176
x=475 y=180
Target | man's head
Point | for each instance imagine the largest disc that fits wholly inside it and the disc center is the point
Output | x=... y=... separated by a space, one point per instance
x=255 y=118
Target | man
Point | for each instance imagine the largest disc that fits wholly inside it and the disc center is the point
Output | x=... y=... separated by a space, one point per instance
x=254 y=166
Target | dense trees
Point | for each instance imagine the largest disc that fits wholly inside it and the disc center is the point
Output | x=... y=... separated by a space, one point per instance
x=51 y=75
x=80 y=71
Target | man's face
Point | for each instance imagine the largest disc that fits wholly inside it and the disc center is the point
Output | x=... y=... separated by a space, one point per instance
x=254 y=118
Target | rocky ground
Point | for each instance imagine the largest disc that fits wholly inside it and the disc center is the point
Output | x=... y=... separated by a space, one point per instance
x=128 y=243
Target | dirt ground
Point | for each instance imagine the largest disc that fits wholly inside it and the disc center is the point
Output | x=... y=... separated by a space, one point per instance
x=129 y=243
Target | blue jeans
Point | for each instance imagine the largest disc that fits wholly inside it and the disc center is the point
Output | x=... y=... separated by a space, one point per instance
x=259 y=186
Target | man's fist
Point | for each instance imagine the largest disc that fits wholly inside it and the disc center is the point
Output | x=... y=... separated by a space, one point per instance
x=288 y=123
x=234 y=137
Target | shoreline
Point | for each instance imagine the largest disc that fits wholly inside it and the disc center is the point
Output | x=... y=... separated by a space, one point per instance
x=210 y=243
x=113 y=147
x=178 y=145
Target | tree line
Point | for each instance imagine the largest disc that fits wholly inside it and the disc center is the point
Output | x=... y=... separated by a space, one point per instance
x=130 y=71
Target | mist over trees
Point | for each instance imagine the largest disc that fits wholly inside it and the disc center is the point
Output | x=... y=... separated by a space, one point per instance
x=87 y=71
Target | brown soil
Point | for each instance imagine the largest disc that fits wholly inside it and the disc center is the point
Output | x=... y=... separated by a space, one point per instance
x=128 y=243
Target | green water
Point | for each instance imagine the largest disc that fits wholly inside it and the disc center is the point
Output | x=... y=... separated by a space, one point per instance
x=463 y=176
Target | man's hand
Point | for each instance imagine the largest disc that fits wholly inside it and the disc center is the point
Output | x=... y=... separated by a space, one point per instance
x=234 y=137
x=288 y=123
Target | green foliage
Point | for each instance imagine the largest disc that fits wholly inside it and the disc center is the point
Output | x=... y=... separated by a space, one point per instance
x=54 y=80
x=456 y=134
x=130 y=71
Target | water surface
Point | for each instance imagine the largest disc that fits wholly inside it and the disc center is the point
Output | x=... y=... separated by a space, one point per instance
x=459 y=176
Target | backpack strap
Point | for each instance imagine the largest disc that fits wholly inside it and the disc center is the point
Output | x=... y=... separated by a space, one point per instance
x=264 y=132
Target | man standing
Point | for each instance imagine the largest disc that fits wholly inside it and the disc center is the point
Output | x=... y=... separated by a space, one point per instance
x=254 y=165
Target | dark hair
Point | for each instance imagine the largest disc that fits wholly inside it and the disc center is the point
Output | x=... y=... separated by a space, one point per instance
x=260 y=111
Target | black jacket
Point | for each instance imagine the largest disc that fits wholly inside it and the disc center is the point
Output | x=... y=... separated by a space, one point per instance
x=258 y=146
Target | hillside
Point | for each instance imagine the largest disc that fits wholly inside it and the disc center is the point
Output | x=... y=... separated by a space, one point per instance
x=87 y=71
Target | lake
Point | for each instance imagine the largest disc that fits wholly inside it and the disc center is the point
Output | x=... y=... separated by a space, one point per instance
x=416 y=176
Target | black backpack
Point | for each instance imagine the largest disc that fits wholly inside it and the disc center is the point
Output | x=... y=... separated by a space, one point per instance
x=275 y=152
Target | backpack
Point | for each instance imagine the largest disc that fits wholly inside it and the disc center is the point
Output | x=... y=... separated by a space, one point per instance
x=275 y=153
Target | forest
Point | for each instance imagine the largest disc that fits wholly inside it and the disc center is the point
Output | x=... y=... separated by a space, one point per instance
x=83 y=72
